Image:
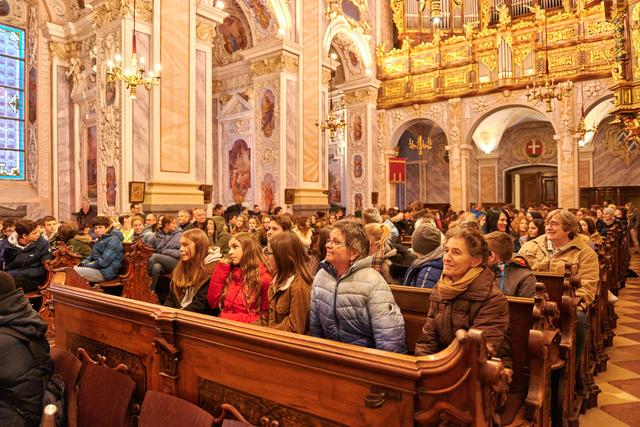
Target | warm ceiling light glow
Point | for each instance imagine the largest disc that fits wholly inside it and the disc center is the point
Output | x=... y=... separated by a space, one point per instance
x=219 y=4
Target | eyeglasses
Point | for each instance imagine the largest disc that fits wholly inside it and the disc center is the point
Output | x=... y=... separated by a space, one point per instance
x=335 y=243
x=553 y=224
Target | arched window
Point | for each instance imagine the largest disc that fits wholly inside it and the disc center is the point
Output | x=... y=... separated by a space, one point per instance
x=12 y=103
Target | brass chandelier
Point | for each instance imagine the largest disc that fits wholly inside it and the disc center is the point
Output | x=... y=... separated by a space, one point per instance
x=135 y=74
x=332 y=123
x=421 y=144
x=547 y=90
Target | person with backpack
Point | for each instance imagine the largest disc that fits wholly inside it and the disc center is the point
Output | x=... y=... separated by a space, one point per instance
x=25 y=363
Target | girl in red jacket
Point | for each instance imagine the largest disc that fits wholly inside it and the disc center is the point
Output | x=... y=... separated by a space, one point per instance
x=240 y=286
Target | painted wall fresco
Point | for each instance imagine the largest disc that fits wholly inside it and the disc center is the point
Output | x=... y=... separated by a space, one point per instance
x=268 y=105
x=268 y=192
x=91 y=154
x=239 y=170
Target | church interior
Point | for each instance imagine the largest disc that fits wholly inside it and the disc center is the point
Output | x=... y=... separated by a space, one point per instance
x=430 y=111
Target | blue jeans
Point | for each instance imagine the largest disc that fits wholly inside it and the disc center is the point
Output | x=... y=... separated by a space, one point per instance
x=158 y=265
x=582 y=332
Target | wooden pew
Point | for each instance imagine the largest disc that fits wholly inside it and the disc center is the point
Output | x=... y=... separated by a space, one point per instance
x=133 y=278
x=533 y=336
x=278 y=378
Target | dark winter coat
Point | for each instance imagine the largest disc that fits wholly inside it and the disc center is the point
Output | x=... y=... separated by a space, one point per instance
x=25 y=263
x=357 y=308
x=166 y=244
x=424 y=273
x=481 y=306
x=199 y=303
x=22 y=378
x=107 y=254
x=516 y=279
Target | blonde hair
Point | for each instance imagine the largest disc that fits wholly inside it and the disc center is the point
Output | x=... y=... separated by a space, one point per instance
x=380 y=233
x=186 y=272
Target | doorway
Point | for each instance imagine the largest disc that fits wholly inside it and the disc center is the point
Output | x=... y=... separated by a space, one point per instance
x=532 y=185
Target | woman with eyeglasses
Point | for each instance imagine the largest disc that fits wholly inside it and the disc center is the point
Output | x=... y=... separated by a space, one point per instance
x=350 y=301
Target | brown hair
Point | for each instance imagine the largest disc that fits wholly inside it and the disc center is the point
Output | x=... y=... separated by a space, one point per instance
x=283 y=221
x=166 y=219
x=476 y=244
x=252 y=257
x=186 y=273
x=290 y=257
x=67 y=231
x=355 y=237
x=501 y=243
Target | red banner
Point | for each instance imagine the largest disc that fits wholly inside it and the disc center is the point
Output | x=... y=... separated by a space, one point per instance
x=397 y=170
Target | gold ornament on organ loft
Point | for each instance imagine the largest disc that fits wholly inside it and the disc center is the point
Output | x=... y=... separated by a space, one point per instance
x=421 y=144
x=134 y=74
x=547 y=90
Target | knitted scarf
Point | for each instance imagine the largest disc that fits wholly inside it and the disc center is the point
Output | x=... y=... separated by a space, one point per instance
x=448 y=289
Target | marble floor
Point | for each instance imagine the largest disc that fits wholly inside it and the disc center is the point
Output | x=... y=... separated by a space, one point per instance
x=619 y=401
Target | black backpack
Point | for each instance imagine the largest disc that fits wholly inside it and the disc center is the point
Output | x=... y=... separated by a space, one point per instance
x=52 y=384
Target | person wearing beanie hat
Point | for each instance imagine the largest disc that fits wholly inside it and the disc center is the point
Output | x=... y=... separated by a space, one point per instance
x=25 y=363
x=425 y=271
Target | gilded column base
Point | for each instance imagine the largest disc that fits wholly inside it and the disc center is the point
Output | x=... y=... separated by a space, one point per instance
x=310 y=200
x=170 y=196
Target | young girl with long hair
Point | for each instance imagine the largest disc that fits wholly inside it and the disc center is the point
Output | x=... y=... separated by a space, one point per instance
x=239 y=286
x=190 y=278
x=290 y=290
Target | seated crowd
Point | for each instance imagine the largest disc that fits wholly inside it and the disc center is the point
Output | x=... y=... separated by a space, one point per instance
x=329 y=276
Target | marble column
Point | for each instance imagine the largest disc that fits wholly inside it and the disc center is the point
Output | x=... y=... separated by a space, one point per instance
x=311 y=183
x=568 y=187
x=277 y=135
x=459 y=158
x=360 y=102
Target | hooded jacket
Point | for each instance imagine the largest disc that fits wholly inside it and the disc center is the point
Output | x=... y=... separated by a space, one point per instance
x=26 y=262
x=22 y=378
x=234 y=306
x=166 y=244
x=481 y=306
x=221 y=237
x=425 y=271
x=516 y=278
x=577 y=252
x=107 y=254
x=200 y=289
x=357 y=308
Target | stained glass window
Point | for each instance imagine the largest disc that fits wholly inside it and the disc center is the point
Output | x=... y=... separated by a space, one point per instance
x=12 y=58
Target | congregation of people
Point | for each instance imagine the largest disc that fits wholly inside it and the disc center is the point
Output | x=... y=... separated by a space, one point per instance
x=326 y=275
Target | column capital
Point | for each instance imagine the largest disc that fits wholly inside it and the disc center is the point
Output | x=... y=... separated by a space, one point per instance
x=280 y=62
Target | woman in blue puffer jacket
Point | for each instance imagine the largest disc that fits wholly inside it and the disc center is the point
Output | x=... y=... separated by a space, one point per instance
x=350 y=301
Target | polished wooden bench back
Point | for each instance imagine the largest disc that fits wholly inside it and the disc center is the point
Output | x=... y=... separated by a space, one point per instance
x=272 y=376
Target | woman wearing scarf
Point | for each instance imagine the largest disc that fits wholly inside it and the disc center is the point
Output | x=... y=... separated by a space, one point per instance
x=465 y=297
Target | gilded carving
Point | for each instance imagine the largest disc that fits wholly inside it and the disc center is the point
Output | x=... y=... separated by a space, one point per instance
x=205 y=30
x=63 y=51
x=398 y=14
x=455 y=78
x=282 y=62
x=456 y=55
x=490 y=60
x=635 y=40
x=423 y=60
x=562 y=61
x=334 y=9
x=520 y=53
x=423 y=82
x=598 y=27
x=561 y=35
x=621 y=57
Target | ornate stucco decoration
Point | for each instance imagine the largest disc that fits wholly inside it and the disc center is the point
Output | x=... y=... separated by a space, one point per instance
x=619 y=145
x=205 y=30
x=63 y=51
x=111 y=10
x=18 y=15
x=282 y=62
x=368 y=95
x=335 y=8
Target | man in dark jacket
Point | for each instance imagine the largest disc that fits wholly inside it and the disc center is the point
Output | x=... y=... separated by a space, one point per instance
x=513 y=275
x=426 y=270
x=25 y=364
x=107 y=253
x=25 y=255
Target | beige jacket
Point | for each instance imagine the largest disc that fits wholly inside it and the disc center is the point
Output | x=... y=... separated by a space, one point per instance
x=577 y=252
